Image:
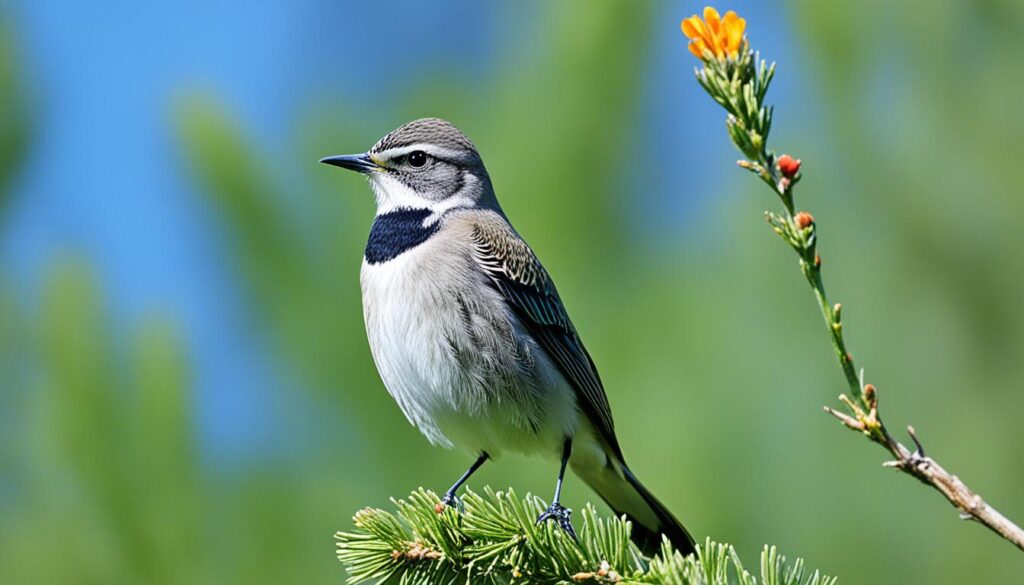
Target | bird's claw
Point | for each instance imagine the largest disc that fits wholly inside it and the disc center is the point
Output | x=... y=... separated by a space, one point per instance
x=560 y=514
x=453 y=501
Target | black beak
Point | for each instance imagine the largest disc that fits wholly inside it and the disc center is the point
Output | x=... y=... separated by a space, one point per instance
x=360 y=163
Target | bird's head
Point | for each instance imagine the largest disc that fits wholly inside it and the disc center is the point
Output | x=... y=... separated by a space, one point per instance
x=425 y=164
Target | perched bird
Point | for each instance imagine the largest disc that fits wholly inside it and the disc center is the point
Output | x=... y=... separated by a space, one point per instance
x=469 y=334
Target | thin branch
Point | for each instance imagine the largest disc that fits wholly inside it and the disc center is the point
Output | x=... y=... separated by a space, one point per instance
x=738 y=80
x=863 y=415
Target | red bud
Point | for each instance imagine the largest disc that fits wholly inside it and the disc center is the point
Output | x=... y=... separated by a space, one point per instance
x=789 y=166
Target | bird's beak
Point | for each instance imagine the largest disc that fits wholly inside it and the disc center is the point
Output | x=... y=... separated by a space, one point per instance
x=360 y=163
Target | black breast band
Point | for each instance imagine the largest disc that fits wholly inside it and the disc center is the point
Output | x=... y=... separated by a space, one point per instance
x=397 y=231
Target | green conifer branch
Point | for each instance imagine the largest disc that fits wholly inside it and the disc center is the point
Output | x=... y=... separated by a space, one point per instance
x=494 y=539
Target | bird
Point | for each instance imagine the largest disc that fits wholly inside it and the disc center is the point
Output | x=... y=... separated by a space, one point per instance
x=469 y=334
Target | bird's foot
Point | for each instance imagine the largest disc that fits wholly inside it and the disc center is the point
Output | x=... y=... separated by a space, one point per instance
x=560 y=514
x=451 y=500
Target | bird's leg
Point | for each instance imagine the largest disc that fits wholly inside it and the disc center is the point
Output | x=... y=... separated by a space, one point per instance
x=449 y=498
x=556 y=511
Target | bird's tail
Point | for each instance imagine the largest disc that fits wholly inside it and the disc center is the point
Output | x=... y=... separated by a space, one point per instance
x=617 y=485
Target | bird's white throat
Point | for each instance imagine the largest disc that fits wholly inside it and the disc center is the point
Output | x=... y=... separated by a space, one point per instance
x=393 y=195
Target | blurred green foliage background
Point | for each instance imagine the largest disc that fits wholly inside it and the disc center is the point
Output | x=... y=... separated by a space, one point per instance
x=617 y=169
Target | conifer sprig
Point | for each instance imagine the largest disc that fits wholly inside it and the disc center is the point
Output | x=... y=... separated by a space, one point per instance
x=495 y=539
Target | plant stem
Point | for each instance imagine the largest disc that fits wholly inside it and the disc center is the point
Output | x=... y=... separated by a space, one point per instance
x=739 y=83
x=864 y=416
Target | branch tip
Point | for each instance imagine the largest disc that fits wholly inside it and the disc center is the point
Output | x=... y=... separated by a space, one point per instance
x=919 y=452
x=846 y=419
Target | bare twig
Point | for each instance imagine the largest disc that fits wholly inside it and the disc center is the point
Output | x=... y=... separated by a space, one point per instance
x=737 y=79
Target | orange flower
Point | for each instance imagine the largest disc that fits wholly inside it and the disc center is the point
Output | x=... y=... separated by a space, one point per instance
x=721 y=36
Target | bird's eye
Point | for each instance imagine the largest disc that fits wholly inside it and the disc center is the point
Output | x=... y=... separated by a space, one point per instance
x=417 y=158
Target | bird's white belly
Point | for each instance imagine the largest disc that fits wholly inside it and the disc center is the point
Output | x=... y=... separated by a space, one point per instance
x=453 y=381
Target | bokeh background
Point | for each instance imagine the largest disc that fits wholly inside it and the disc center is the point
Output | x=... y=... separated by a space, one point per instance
x=186 y=393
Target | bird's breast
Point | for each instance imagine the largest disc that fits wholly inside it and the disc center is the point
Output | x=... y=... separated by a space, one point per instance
x=454 y=357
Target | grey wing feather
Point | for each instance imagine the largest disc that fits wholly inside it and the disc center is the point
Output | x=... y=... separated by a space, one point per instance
x=519 y=277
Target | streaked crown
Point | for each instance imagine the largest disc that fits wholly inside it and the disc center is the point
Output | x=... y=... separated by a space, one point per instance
x=434 y=132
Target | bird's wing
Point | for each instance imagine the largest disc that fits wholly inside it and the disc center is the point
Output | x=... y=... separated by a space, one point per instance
x=519 y=277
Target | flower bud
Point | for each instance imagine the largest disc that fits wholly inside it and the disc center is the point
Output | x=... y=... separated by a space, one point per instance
x=789 y=166
x=803 y=219
x=870 y=395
